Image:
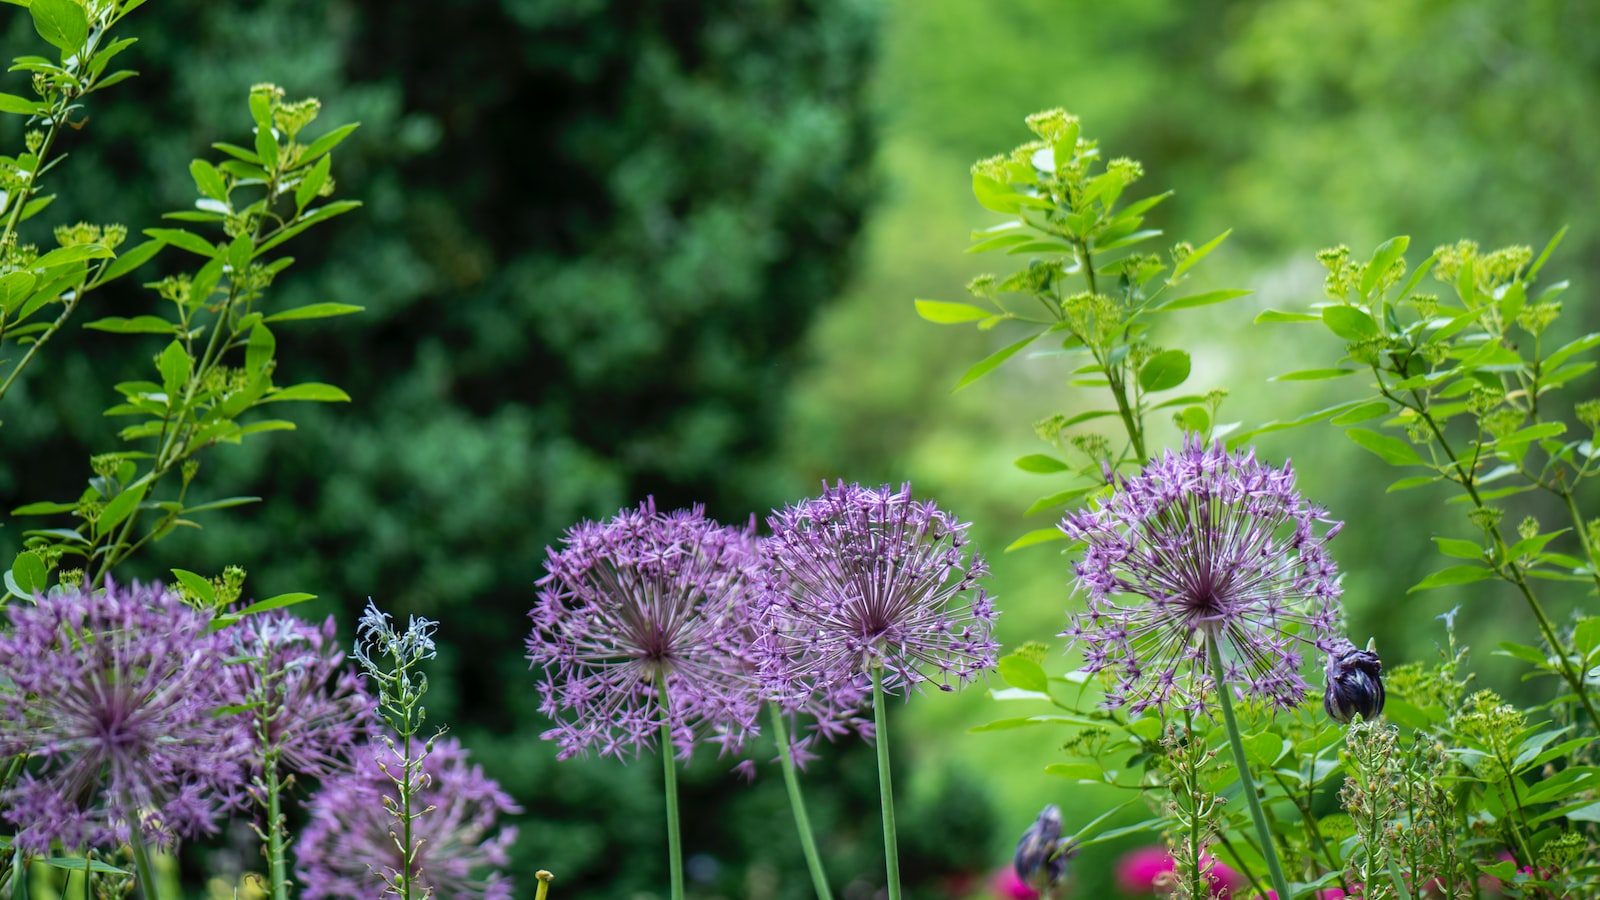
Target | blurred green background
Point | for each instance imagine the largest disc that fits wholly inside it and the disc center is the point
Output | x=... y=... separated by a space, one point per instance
x=631 y=248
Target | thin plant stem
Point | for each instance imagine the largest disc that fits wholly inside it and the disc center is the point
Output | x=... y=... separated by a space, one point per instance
x=408 y=854
x=669 y=774
x=880 y=716
x=1269 y=849
x=544 y=877
x=143 y=870
x=276 y=864
x=802 y=822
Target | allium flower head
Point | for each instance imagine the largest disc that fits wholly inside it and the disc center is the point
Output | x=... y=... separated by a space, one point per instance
x=1202 y=544
x=640 y=621
x=112 y=696
x=348 y=847
x=863 y=577
x=1042 y=853
x=307 y=706
x=1354 y=683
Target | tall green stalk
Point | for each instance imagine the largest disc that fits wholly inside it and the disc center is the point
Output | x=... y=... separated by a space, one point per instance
x=1269 y=848
x=669 y=779
x=880 y=716
x=802 y=822
x=276 y=864
x=143 y=870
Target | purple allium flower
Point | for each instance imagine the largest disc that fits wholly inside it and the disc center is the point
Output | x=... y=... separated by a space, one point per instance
x=638 y=623
x=1203 y=543
x=112 y=696
x=867 y=576
x=348 y=849
x=307 y=706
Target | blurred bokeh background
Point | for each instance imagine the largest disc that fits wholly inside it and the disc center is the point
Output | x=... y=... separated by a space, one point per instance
x=619 y=249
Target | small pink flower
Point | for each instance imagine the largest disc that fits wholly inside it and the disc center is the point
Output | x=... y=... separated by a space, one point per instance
x=1006 y=883
x=1148 y=870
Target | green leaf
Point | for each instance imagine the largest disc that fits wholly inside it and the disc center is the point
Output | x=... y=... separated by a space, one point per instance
x=11 y=103
x=1349 y=322
x=1205 y=299
x=1452 y=576
x=135 y=325
x=994 y=195
x=1533 y=270
x=28 y=574
x=258 y=352
x=311 y=390
x=1164 y=371
x=1188 y=262
x=992 y=362
x=130 y=260
x=1369 y=410
x=79 y=864
x=1263 y=749
x=1276 y=315
x=1459 y=549
x=1313 y=374
x=312 y=182
x=1408 y=483
x=174 y=364
x=1037 y=536
x=239 y=253
x=946 y=313
x=320 y=214
x=1196 y=419
x=120 y=507
x=221 y=504
x=184 y=240
x=199 y=586
x=1053 y=500
x=1578 y=346
x=277 y=602
x=14 y=289
x=44 y=508
x=209 y=180
x=1391 y=450
x=1042 y=464
x=62 y=23
x=1382 y=259
x=327 y=142
x=1020 y=672
x=65 y=256
x=1027 y=721
x=1077 y=771
x=266 y=147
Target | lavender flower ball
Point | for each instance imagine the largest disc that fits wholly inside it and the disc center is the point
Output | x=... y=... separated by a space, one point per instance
x=348 y=849
x=310 y=709
x=111 y=695
x=1203 y=545
x=640 y=622
x=861 y=577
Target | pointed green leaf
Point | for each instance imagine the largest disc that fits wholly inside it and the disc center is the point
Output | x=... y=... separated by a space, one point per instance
x=112 y=514
x=62 y=23
x=130 y=260
x=1382 y=259
x=312 y=182
x=1391 y=450
x=258 y=352
x=1348 y=322
x=174 y=364
x=29 y=574
x=1369 y=410
x=135 y=325
x=327 y=142
x=11 y=103
x=185 y=240
x=198 y=585
x=68 y=255
x=1041 y=464
x=314 y=311
x=1205 y=299
x=992 y=362
x=1024 y=673
x=1313 y=374
x=322 y=393
x=1452 y=576
x=1188 y=262
x=1037 y=536
x=209 y=180
x=277 y=602
x=946 y=313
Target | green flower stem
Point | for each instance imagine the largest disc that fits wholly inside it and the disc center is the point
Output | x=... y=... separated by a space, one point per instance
x=544 y=877
x=670 y=779
x=880 y=716
x=802 y=823
x=276 y=864
x=1269 y=849
x=143 y=870
x=408 y=853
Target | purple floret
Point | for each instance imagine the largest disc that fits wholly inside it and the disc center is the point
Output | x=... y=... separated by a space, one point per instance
x=640 y=620
x=1201 y=543
x=860 y=577
x=348 y=849
x=310 y=708
x=112 y=696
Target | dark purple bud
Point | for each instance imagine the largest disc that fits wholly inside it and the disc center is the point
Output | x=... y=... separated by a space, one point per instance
x=1354 y=683
x=1042 y=854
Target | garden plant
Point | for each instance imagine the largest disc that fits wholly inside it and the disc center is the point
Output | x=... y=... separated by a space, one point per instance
x=1207 y=670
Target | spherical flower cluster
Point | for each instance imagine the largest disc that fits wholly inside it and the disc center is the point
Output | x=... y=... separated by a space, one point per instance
x=643 y=620
x=1203 y=545
x=306 y=706
x=349 y=849
x=112 y=696
x=861 y=578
